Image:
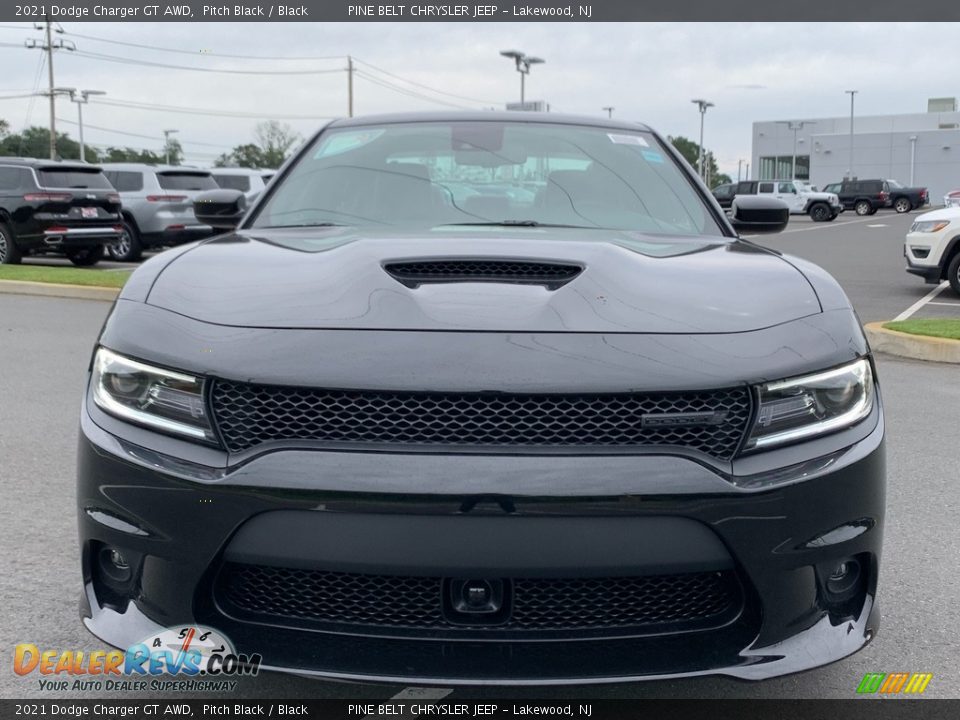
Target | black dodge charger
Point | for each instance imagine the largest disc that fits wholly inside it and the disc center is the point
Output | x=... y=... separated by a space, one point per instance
x=486 y=398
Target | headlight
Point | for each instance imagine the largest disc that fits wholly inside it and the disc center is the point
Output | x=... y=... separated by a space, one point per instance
x=929 y=226
x=804 y=407
x=160 y=399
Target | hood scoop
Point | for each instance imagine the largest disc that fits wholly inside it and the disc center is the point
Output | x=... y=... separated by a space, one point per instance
x=414 y=273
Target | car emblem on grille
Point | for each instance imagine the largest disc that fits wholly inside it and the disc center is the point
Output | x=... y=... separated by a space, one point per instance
x=709 y=417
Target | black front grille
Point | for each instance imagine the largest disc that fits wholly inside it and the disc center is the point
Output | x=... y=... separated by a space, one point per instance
x=712 y=422
x=339 y=600
x=540 y=273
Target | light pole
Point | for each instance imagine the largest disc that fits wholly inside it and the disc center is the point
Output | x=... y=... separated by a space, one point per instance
x=609 y=111
x=913 y=156
x=796 y=126
x=703 y=105
x=523 y=63
x=81 y=98
x=851 y=93
x=166 y=142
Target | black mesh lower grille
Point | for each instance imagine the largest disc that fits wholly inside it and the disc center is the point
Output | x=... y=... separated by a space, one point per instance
x=712 y=422
x=341 y=600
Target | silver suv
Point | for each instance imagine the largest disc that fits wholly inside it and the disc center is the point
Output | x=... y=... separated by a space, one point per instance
x=157 y=206
x=250 y=181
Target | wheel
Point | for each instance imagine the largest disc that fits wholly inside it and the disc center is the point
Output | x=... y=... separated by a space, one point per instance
x=9 y=252
x=85 y=257
x=902 y=205
x=953 y=273
x=128 y=248
x=833 y=216
x=863 y=207
x=821 y=212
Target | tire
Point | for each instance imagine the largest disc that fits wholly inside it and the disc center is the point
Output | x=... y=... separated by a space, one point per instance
x=863 y=207
x=833 y=216
x=86 y=257
x=9 y=252
x=821 y=212
x=128 y=248
x=953 y=273
x=902 y=205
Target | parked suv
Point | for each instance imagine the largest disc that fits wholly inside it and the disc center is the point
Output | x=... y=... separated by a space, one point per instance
x=54 y=207
x=865 y=197
x=250 y=181
x=932 y=247
x=157 y=206
x=801 y=197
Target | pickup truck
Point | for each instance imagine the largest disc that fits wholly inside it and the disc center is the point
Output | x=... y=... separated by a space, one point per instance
x=865 y=197
x=800 y=196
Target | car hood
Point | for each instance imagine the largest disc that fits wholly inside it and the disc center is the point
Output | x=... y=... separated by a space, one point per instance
x=334 y=278
x=947 y=213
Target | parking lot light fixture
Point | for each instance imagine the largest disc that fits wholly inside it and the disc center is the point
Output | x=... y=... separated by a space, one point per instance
x=851 y=93
x=166 y=142
x=81 y=98
x=523 y=63
x=609 y=111
x=703 y=105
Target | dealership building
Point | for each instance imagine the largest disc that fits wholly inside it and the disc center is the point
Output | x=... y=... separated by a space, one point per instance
x=914 y=149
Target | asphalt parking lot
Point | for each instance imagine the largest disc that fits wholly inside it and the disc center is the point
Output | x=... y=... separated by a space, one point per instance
x=45 y=345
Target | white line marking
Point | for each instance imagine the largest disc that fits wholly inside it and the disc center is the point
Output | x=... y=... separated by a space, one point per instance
x=880 y=225
x=418 y=693
x=817 y=226
x=922 y=301
x=947 y=304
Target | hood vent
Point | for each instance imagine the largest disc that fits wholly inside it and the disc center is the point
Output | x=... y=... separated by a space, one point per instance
x=524 y=272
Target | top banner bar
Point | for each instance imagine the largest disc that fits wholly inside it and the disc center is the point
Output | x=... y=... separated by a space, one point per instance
x=486 y=11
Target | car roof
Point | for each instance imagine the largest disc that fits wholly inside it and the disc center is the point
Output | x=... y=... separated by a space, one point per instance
x=490 y=116
x=140 y=167
x=57 y=164
x=239 y=171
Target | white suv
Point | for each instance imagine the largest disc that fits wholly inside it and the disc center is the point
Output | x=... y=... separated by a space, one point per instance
x=932 y=247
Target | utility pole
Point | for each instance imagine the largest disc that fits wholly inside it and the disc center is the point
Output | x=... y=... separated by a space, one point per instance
x=49 y=47
x=851 y=93
x=349 y=86
x=609 y=111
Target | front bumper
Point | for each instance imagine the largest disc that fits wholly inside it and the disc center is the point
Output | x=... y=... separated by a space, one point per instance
x=514 y=517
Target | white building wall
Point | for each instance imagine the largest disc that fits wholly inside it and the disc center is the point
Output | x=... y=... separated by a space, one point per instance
x=881 y=148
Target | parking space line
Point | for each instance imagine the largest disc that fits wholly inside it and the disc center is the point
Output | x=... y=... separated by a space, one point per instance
x=946 y=304
x=922 y=301
x=819 y=226
x=418 y=693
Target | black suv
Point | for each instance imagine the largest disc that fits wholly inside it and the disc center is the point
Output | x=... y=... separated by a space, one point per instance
x=55 y=207
x=865 y=197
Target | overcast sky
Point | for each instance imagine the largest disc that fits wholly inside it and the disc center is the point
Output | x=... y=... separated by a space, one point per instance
x=648 y=72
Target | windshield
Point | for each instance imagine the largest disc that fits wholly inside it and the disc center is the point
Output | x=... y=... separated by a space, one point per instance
x=80 y=179
x=492 y=172
x=186 y=181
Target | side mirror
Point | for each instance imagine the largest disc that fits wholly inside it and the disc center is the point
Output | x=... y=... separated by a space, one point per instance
x=222 y=209
x=755 y=214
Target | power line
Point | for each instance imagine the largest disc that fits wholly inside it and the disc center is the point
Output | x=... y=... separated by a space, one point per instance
x=203 y=111
x=425 y=87
x=203 y=53
x=405 y=91
x=139 y=135
x=147 y=63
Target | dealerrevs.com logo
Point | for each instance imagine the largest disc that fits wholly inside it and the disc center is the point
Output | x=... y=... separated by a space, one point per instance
x=187 y=658
x=894 y=683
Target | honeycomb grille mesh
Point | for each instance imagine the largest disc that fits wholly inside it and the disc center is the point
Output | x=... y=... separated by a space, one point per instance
x=317 y=596
x=248 y=415
x=506 y=270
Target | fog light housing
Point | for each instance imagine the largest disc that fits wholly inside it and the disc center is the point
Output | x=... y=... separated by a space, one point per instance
x=114 y=565
x=842 y=580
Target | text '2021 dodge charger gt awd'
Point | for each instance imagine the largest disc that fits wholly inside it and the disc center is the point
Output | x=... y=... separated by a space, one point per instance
x=486 y=398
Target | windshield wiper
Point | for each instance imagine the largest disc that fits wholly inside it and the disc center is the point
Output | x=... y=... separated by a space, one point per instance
x=302 y=225
x=512 y=223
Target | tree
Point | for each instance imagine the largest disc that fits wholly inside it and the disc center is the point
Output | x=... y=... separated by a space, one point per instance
x=691 y=153
x=116 y=154
x=35 y=142
x=4 y=127
x=273 y=143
